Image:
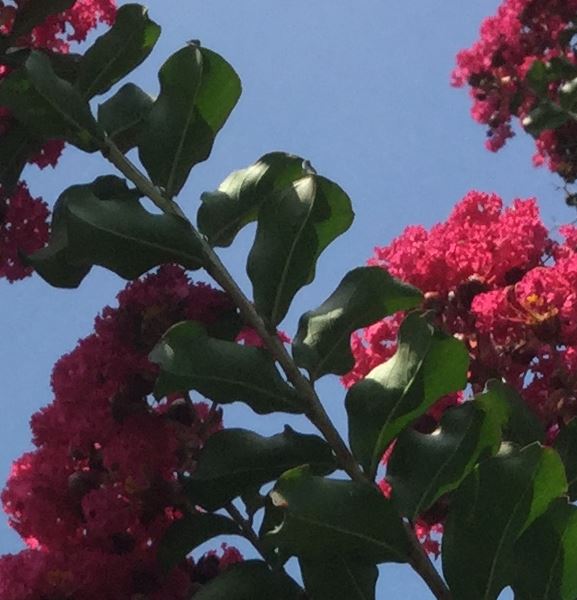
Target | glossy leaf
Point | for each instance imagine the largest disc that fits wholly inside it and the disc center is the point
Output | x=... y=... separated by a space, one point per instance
x=189 y=532
x=103 y=223
x=118 y=52
x=34 y=12
x=326 y=517
x=427 y=365
x=48 y=105
x=122 y=116
x=365 y=295
x=339 y=579
x=495 y=504
x=198 y=91
x=294 y=227
x=566 y=445
x=523 y=426
x=546 y=556
x=221 y=371
x=543 y=117
x=250 y=580
x=235 y=461
x=424 y=467
x=235 y=203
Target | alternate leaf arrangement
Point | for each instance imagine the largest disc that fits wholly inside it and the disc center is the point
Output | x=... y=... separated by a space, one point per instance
x=479 y=465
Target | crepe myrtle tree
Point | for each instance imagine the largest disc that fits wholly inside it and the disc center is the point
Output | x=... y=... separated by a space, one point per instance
x=130 y=474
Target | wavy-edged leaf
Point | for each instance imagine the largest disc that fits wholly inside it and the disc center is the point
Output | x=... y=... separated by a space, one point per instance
x=365 y=295
x=339 y=579
x=220 y=370
x=326 y=517
x=424 y=467
x=189 y=532
x=235 y=461
x=491 y=509
x=294 y=227
x=427 y=365
x=566 y=445
x=50 y=106
x=118 y=52
x=198 y=91
x=103 y=223
x=122 y=116
x=546 y=556
x=250 y=580
x=235 y=203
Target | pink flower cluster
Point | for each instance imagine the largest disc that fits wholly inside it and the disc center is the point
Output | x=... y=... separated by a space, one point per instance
x=495 y=68
x=496 y=279
x=23 y=226
x=102 y=485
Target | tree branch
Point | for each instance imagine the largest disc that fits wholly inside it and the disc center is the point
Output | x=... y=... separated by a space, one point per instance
x=316 y=412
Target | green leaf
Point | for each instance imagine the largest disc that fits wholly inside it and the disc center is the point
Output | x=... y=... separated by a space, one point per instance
x=426 y=366
x=339 y=579
x=122 y=116
x=294 y=227
x=365 y=295
x=523 y=426
x=34 y=12
x=546 y=556
x=48 y=105
x=546 y=115
x=17 y=146
x=566 y=445
x=103 y=223
x=235 y=461
x=226 y=211
x=222 y=371
x=189 y=532
x=198 y=91
x=424 y=467
x=250 y=580
x=493 y=506
x=118 y=52
x=326 y=517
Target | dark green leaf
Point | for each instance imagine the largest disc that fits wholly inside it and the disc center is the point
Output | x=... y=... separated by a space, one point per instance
x=198 y=91
x=226 y=211
x=424 y=467
x=427 y=365
x=222 y=371
x=493 y=506
x=118 y=52
x=326 y=517
x=568 y=94
x=34 y=12
x=339 y=579
x=185 y=534
x=17 y=146
x=537 y=78
x=523 y=426
x=365 y=295
x=122 y=116
x=566 y=445
x=103 y=223
x=546 y=556
x=294 y=227
x=545 y=116
x=237 y=460
x=250 y=580
x=48 y=105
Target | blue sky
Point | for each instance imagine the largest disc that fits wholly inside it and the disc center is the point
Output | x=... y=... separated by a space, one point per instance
x=362 y=90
